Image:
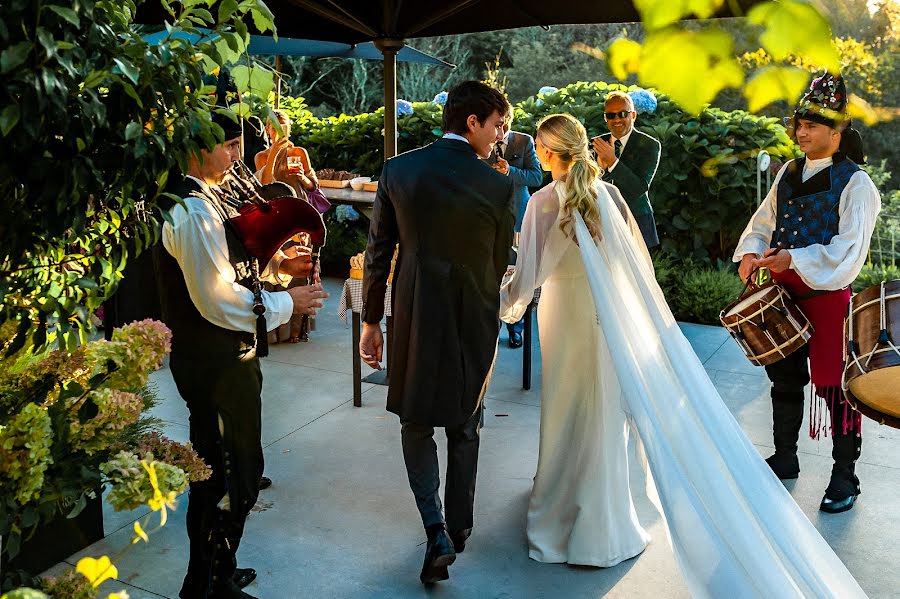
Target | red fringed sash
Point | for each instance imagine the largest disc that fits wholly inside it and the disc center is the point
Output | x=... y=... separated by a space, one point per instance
x=826 y=312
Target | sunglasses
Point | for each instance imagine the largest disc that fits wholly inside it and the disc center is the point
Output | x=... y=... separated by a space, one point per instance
x=616 y=115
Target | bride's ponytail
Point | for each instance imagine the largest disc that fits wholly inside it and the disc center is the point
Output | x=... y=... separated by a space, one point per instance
x=565 y=136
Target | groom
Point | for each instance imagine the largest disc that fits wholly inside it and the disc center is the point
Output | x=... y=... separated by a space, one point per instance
x=453 y=218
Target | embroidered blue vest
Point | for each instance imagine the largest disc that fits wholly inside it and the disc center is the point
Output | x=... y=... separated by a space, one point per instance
x=808 y=212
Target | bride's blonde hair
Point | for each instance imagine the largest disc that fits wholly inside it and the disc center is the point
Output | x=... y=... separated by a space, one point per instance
x=565 y=136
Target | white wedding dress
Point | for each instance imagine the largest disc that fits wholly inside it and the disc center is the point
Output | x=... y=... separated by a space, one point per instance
x=614 y=358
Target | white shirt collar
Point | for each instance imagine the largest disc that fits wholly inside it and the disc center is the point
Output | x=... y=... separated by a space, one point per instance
x=813 y=167
x=456 y=137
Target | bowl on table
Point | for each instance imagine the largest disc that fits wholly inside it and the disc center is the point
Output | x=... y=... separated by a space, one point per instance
x=359 y=182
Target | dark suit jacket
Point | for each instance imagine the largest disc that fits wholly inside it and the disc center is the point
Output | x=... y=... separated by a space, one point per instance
x=633 y=176
x=452 y=216
x=524 y=170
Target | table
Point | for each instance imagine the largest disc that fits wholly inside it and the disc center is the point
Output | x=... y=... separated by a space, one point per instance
x=351 y=299
x=361 y=200
x=526 y=340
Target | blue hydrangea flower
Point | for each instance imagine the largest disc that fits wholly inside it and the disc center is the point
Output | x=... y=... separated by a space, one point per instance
x=404 y=107
x=547 y=89
x=644 y=101
x=440 y=99
x=344 y=213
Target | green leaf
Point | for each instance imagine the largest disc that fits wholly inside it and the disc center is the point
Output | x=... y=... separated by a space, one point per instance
x=14 y=56
x=656 y=14
x=796 y=29
x=624 y=58
x=133 y=131
x=66 y=13
x=8 y=118
x=263 y=19
x=128 y=69
x=94 y=78
x=775 y=83
x=226 y=9
x=692 y=67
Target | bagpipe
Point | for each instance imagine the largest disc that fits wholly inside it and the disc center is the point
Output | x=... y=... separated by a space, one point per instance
x=268 y=218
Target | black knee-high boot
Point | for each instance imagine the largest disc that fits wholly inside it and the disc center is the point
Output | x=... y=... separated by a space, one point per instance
x=225 y=539
x=787 y=418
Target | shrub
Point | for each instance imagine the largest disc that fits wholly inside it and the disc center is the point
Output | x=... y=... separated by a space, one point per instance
x=700 y=295
x=704 y=191
x=345 y=238
x=873 y=274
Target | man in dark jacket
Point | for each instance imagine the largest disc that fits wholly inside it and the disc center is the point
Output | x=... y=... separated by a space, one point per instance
x=630 y=159
x=453 y=218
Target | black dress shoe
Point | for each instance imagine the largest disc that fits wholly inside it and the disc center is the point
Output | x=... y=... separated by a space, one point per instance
x=785 y=466
x=459 y=539
x=439 y=554
x=244 y=576
x=264 y=482
x=841 y=493
x=515 y=340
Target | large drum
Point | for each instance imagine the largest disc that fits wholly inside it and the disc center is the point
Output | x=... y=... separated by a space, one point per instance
x=766 y=324
x=872 y=360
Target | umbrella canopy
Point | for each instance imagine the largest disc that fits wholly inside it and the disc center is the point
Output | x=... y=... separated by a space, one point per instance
x=262 y=45
x=388 y=23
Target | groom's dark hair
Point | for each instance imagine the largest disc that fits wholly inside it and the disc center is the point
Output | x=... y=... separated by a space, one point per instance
x=471 y=97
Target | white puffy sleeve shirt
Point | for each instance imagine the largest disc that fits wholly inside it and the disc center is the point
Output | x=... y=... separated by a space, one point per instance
x=195 y=237
x=834 y=265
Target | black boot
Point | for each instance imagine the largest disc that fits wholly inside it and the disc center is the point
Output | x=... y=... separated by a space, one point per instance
x=225 y=539
x=787 y=417
x=843 y=488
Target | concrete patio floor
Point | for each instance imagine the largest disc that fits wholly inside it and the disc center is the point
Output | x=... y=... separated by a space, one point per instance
x=340 y=520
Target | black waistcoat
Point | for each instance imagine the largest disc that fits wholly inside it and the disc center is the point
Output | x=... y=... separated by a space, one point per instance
x=191 y=332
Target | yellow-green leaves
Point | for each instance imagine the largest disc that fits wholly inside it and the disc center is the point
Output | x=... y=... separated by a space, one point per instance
x=254 y=79
x=795 y=28
x=96 y=570
x=690 y=66
x=775 y=83
x=624 y=57
x=657 y=14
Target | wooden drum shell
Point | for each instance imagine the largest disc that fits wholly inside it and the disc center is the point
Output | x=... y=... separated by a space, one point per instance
x=872 y=384
x=770 y=310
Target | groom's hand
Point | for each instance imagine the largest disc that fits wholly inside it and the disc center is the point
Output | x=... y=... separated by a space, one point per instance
x=371 y=344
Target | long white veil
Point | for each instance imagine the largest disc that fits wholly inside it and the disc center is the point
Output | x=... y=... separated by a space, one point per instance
x=735 y=530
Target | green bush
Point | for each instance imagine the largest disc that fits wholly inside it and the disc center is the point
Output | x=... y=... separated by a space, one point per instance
x=704 y=191
x=700 y=295
x=873 y=274
x=705 y=188
x=345 y=239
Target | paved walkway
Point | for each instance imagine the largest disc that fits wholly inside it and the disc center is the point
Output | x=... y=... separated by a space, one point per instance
x=340 y=520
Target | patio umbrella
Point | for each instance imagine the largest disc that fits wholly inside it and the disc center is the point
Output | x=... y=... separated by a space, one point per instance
x=388 y=23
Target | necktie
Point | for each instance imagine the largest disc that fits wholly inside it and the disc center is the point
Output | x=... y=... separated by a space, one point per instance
x=617 y=146
x=498 y=149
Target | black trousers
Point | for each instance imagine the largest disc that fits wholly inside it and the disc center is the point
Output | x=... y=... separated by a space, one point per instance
x=223 y=397
x=420 y=455
x=789 y=376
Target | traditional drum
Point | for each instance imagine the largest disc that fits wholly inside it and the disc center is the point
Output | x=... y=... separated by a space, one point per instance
x=766 y=324
x=872 y=361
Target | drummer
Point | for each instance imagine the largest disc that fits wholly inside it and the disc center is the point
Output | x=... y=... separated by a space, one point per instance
x=812 y=232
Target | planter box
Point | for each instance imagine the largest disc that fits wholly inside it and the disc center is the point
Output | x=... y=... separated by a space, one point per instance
x=57 y=540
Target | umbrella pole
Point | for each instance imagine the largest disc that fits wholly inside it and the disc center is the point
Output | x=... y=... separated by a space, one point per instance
x=389 y=49
x=277 y=79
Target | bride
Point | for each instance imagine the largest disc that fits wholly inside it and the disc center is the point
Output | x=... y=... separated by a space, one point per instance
x=614 y=359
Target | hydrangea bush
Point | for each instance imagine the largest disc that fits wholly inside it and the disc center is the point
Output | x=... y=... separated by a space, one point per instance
x=72 y=424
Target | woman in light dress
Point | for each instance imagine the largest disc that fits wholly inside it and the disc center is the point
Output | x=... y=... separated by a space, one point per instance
x=615 y=360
